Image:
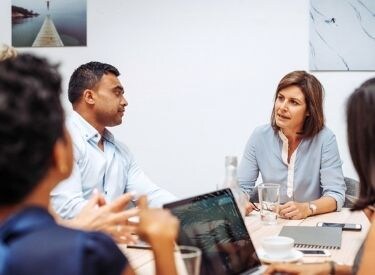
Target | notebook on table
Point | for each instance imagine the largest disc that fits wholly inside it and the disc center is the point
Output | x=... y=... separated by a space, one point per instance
x=214 y=223
x=313 y=236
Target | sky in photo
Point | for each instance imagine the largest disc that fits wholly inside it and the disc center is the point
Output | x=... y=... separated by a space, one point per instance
x=40 y=6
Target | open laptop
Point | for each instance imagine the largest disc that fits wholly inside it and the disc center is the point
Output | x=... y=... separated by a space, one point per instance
x=214 y=223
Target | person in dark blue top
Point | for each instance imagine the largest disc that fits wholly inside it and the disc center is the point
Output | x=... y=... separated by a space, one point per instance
x=34 y=244
x=36 y=154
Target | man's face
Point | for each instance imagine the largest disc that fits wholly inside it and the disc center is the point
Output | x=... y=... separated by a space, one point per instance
x=110 y=102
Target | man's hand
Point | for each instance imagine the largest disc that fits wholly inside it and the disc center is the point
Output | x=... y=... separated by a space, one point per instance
x=110 y=218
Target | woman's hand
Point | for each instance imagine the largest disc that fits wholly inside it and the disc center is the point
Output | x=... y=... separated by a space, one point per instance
x=297 y=269
x=248 y=208
x=294 y=210
x=159 y=228
x=156 y=225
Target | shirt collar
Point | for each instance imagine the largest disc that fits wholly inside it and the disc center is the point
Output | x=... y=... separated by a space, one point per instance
x=283 y=137
x=89 y=132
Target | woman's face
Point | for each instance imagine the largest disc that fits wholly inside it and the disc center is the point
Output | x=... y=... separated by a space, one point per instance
x=290 y=109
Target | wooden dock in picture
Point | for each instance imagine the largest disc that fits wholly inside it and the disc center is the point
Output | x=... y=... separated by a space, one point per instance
x=48 y=35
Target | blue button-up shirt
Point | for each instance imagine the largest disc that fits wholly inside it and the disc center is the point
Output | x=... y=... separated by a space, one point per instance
x=112 y=171
x=314 y=169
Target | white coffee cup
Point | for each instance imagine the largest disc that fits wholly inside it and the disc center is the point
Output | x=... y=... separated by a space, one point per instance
x=277 y=247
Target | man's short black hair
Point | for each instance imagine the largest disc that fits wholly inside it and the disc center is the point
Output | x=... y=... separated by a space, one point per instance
x=87 y=76
x=31 y=121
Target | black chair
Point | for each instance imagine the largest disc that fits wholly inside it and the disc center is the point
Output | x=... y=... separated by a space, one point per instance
x=352 y=191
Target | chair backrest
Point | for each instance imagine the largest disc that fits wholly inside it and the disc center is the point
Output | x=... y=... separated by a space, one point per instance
x=352 y=191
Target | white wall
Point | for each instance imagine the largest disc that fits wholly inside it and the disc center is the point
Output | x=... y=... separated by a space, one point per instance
x=199 y=76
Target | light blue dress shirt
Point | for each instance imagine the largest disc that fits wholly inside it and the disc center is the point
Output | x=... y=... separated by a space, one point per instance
x=112 y=171
x=314 y=170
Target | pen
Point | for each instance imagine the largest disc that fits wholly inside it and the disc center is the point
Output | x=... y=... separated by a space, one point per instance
x=254 y=206
x=134 y=246
x=146 y=247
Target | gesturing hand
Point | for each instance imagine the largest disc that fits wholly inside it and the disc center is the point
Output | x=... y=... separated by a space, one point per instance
x=156 y=225
x=110 y=218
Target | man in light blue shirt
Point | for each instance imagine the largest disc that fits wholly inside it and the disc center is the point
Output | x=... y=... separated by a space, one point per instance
x=101 y=162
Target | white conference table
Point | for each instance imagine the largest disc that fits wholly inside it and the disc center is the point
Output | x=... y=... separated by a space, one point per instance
x=350 y=242
x=143 y=263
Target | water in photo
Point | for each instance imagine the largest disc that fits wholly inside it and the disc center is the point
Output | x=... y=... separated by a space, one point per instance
x=49 y=23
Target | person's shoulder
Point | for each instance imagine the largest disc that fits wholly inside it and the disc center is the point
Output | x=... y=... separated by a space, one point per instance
x=123 y=148
x=69 y=251
x=263 y=130
x=326 y=133
x=88 y=242
x=78 y=241
x=325 y=137
x=74 y=128
x=99 y=238
x=260 y=135
x=102 y=254
x=57 y=233
x=78 y=134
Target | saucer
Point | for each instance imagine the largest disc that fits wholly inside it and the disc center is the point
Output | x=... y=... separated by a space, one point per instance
x=294 y=256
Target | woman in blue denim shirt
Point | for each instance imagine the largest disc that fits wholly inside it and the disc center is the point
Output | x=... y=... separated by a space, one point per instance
x=296 y=151
x=361 y=139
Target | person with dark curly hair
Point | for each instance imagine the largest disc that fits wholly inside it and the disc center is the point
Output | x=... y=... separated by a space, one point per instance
x=36 y=154
x=100 y=160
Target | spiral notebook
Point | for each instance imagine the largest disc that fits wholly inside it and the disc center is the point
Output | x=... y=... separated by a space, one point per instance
x=313 y=236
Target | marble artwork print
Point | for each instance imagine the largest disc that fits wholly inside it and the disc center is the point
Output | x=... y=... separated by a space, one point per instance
x=342 y=35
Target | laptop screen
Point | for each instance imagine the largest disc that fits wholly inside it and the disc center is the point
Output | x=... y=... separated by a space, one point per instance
x=213 y=223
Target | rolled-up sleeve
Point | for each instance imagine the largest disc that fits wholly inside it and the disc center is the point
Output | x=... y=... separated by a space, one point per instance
x=331 y=175
x=67 y=197
x=248 y=170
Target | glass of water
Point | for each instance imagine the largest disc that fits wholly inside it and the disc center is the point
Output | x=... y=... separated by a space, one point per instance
x=269 y=199
x=191 y=257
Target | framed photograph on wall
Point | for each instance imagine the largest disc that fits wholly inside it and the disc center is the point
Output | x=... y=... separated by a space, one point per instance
x=49 y=23
x=342 y=35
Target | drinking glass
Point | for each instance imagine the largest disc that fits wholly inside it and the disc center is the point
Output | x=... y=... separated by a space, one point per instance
x=191 y=257
x=269 y=199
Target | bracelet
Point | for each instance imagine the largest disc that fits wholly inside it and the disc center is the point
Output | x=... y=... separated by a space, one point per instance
x=332 y=267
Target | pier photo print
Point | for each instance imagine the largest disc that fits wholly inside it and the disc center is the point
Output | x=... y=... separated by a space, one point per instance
x=342 y=35
x=49 y=23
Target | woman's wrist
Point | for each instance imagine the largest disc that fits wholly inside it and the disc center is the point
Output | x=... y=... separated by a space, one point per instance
x=332 y=267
